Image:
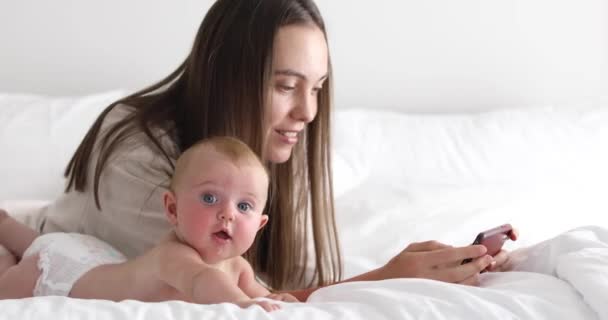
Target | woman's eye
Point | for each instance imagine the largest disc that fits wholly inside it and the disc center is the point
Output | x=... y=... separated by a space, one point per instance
x=316 y=90
x=286 y=88
x=209 y=198
x=244 y=206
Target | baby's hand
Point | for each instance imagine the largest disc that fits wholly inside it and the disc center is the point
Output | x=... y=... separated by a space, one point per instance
x=282 y=297
x=268 y=306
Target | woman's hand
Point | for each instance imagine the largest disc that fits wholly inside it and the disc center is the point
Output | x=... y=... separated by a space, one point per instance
x=437 y=261
x=502 y=261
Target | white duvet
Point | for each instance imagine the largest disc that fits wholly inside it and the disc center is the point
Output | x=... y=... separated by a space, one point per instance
x=562 y=278
x=399 y=178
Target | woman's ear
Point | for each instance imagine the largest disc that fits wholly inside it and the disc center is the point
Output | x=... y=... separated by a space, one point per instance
x=263 y=221
x=170 y=203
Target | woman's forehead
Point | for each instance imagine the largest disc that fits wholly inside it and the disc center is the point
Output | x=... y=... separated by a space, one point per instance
x=301 y=50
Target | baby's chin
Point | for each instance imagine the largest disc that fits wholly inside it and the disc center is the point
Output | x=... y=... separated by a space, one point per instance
x=218 y=255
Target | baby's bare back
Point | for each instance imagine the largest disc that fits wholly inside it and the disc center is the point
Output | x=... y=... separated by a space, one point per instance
x=137 y=279
x=132 y=280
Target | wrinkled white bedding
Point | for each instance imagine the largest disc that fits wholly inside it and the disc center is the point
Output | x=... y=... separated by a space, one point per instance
x=561 y=291
x=399 y=178
x=565 y=277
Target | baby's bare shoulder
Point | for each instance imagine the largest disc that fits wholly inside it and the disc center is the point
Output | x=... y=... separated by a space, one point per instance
x=168 y=253
x=241 y=266
x=175 y=250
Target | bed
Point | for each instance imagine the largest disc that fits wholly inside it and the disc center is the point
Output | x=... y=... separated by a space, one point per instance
x=428 y=144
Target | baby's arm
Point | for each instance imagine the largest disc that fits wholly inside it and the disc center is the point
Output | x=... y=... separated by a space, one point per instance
x=248 y=283
x=254 y=289
x=182 y=268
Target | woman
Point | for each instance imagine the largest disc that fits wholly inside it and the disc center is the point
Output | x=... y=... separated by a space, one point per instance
x=259 y=70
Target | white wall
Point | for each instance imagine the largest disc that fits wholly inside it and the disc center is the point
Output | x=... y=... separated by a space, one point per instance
x=418 y=55
x=75 y=47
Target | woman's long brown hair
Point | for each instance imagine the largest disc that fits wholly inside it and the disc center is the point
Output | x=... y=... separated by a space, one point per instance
x=221 y=89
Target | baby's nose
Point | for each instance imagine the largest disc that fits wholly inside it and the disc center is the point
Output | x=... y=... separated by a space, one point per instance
x=226 y=214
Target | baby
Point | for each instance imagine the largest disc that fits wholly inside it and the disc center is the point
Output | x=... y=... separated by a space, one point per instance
x=215 y=205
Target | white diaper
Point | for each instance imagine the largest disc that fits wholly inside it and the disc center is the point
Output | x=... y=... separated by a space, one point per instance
x=65 y=257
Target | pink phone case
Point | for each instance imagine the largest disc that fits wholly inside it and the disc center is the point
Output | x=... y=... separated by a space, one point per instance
x=492 y=239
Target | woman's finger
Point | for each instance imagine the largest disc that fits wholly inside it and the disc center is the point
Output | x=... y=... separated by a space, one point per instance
x=502 y=262
x=426 y=246
x=463 y=272
x=514 y=234
x=449 y=256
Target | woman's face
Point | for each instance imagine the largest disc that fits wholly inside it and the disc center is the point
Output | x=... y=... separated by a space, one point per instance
x=300 y=61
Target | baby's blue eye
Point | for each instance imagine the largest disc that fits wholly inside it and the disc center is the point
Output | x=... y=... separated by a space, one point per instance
x=209 y=198
x=244 y=206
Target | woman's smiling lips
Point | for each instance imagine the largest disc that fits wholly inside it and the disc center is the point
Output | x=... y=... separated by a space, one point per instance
x=288 y=136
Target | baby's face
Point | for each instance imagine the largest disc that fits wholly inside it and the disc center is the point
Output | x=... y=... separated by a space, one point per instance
x=219 y=205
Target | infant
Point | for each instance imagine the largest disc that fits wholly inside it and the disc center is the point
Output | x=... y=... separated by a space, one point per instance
x=215 y=204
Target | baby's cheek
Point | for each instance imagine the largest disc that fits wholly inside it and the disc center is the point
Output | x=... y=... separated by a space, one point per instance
x=197 y=224
x=249 y=233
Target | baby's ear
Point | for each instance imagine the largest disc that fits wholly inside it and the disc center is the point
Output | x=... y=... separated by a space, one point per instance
x=170 y=204
x=263 y=221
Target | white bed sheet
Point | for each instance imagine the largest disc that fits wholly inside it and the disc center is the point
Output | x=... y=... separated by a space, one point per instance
x=568 y=294
x=548 y=284
x=403 y=178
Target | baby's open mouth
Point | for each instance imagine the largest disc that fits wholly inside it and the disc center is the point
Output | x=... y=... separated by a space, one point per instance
x=223 y=235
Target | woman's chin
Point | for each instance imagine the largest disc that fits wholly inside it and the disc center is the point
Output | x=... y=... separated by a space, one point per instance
x=279 y=156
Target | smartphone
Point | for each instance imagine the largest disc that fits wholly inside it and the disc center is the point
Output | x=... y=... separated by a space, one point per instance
x=493 y=239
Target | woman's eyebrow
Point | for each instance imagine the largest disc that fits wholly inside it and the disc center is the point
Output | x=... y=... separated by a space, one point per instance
x=291 y=72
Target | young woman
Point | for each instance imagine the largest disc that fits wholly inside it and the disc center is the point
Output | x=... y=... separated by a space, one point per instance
x=259 y=70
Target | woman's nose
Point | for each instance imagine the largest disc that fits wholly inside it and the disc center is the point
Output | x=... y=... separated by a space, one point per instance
x=306 y=108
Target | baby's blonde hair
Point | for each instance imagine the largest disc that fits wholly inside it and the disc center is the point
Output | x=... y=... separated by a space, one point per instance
x=232 y=148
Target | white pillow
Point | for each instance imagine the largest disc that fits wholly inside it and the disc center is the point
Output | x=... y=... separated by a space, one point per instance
x=504 y=146
x=402 y=178
x=38 y=136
